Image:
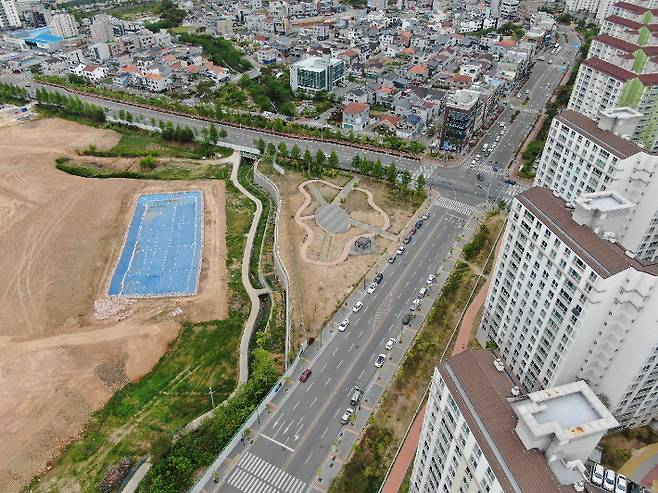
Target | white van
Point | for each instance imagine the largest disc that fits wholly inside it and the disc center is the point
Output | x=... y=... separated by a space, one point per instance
x=423 y=292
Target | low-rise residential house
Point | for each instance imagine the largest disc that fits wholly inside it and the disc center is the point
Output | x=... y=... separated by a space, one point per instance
x=458 y=81
x=54 y=66
x=155 y=82
x=410 y=125
x=356 y=116
x=418 y=73
x=360 y=95
x=265 y=56
x=389 y=121
x=92 y=73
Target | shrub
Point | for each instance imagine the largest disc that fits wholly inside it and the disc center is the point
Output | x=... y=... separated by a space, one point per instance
x=148 y=163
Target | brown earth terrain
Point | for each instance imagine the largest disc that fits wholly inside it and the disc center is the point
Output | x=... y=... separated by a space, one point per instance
x=60 y=236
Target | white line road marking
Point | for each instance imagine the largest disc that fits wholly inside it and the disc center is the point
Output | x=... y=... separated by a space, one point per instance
x=313 y=401
x=277 y=442
x=338 y=365
x=327 y=381
x=324 y=433
x=295 y=407
x=350 y=348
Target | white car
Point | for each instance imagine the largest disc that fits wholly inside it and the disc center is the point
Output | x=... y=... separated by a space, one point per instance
x=597 y=475
x=414 y=304
x=431 y=278
x=372 y=287
x=609 y=480
x=391 y=343
x=357 y=306
x=345 y=418
x=343 y=325
x=379 y=362
x=622 y=484
x=479 y=156
x=426 y=216
x=400 y=250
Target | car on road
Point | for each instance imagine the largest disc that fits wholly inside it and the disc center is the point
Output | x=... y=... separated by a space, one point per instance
x=406 y=320
x=356 y=396
x=378 y=277
x=391 y=342
x=622 y=484
x=431 y=278
x=501 y=124
x=426 y=216
x=478 y=156
x=343 y=325
x=418 y=224
x=305 y=375
x=414 y=304
x=423 y=292
x=391 y=259
x=407 y=239
x=345 y=418
x=609 y=480
x=597 y=475
x=357 y=306
x=372 y=287
x=412 y=231
x=527 y=91
x=480 y=177
x=379 y=361
x=474 y=162
x=400 y=250
x=509 y=181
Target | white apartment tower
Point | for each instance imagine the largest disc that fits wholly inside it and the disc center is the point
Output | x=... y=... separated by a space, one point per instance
x=101 y=29
x=9 y=17
x=582 y=156
x=63 y=24
x=568 y=302
x=480 y=434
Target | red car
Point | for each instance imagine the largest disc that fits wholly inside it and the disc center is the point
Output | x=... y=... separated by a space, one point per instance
x=305 y=374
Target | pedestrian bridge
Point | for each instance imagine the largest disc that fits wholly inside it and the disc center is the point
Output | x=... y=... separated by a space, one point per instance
x=250 y=152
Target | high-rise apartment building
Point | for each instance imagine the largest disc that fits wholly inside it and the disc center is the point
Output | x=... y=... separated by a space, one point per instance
x=9 y=17
x=479 y=433
x=63 y=24
x=568 y=302
x=101 y=29
x=621 y=70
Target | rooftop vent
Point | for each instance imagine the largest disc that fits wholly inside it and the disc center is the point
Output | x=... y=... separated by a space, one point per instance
x=629 y=254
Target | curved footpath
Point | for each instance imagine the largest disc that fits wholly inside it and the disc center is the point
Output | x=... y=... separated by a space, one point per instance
x=252 y=292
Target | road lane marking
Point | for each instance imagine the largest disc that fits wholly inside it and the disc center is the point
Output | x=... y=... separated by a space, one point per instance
x=324 y=433
x=295 y=407
x=277 y=442
x=327 y=381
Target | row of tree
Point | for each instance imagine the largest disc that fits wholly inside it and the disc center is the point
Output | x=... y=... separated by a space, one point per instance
x=397 y=180
x=71 y=105
x=10 y=93
x=307 y=162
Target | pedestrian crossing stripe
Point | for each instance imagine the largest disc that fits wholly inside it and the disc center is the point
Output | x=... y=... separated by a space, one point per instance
x=426 y=170
x=253 y=474
x=455 y=206
x=485 y=168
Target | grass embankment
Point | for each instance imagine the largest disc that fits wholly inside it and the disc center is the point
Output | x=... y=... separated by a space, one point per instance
x=142 y=417
x=619 y=447
x=365 y=470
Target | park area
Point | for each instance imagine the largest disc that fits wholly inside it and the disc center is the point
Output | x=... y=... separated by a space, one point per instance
x=66 y=346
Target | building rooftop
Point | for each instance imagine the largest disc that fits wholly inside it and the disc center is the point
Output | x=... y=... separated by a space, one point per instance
x=621 y=148
x=355 y=108
x=463 y=99
x=481 y=391
x=606 y=201
x=604 y=257
x=317 y=63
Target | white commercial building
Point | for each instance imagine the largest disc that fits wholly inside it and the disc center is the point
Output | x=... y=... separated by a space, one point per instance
x=568 y=302
x=9 y=17
x=582 y=157
x=315 y=74
x=63 y=24
x=481 y=435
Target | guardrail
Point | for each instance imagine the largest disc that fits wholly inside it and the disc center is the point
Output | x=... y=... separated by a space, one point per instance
x=282 y=274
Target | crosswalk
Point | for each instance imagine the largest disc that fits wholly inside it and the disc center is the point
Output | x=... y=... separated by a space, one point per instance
x=425 y=169
x=455 y=206
x=253 y=474
x=484 y=168
x=510 y=192
x=530 y=111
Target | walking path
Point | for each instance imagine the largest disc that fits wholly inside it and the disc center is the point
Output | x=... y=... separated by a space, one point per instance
x=252 y=292
x=643 y=467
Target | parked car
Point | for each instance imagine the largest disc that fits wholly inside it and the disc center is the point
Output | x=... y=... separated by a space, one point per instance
x=419 y=223
x=412 y=231
x=305 y=375
x=622 y=484
x=343 y=325
x=356 y=396
x=414 y=304
x=378 y=278
x=372 y=287
x=345 y=418
x=609 y=480
x=406 y=320
x=391 y=342
x=379 y=361
x=357 y=306
x=426 y=216
x=509 y=181
x=407 y=239
x=431 y=278
x=480 y=177
x=400 y=250
x=391 y=259
x=597 y=475
x=423 y=292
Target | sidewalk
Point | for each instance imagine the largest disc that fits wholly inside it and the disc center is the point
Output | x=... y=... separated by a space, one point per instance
x=408 y=450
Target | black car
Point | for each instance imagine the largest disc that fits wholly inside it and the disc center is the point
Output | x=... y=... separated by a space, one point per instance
x=480 y=177
x=419 y=224
x=406 y=240
x=406 y=320
x=509 y=181
x=378 y=278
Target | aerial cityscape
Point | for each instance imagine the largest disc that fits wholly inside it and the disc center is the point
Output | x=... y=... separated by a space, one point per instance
x=334 y=246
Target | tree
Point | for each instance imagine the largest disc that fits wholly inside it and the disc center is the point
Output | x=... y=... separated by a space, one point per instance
x=270 y=150
x=320 y=158
x=391 y=174
x=295 y=153
x=222 y=133
x=378 y=169
x=213 y=134
x=260 y=145
x=420 y=183
x=406 y=179
x=333 y=159
x=282 y=150
x=356 y=162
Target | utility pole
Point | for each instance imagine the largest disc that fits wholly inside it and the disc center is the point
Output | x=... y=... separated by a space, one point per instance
x=212 y=400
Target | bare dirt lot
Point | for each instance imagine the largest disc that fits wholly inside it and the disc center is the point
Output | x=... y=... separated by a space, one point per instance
x=60 y=236
x=313 y=285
